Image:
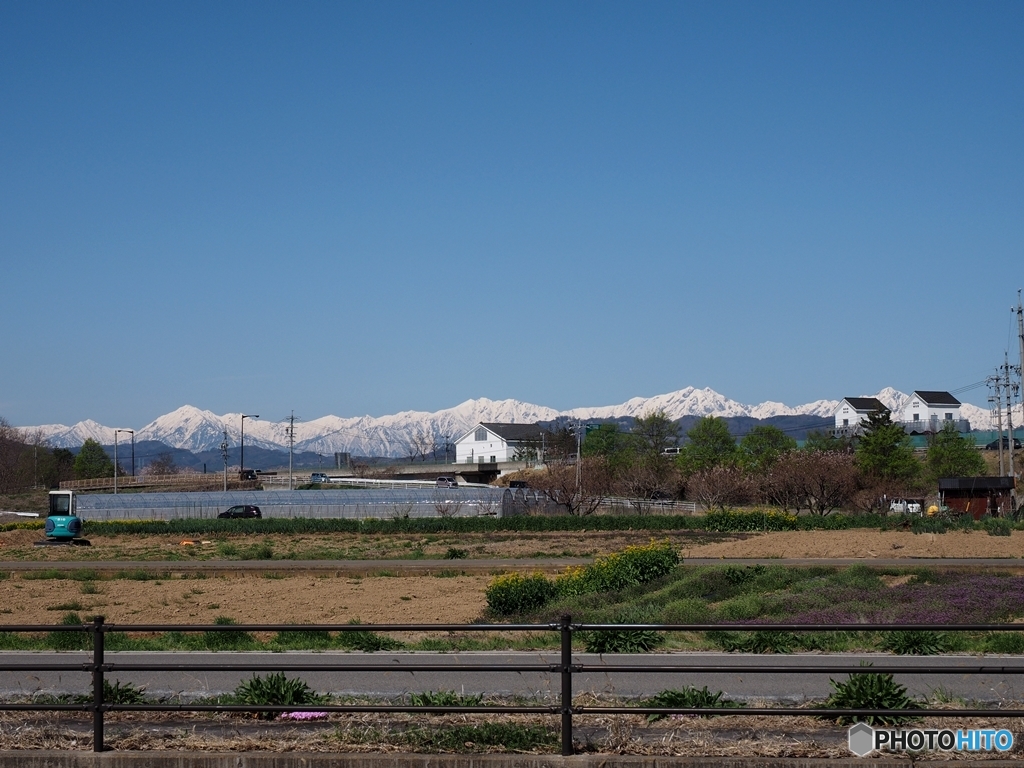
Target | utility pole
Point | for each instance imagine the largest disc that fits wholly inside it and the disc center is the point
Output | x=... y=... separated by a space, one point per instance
x=291 y=446
x=1009 y=408
x=224 y=454
x=996 y=384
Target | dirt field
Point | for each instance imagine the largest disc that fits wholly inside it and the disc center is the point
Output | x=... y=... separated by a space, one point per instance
x=258 y=598
x=866 y=543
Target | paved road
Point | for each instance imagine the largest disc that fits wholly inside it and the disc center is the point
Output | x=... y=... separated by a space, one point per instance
x=784 y=682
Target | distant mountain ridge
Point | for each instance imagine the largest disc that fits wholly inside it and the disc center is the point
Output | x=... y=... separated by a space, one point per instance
x=196 y=430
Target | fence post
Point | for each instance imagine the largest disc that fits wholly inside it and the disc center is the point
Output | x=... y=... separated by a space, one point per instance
x=97 y=684
x=566 y=632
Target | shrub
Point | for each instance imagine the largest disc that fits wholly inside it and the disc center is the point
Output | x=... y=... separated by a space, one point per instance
x=624 y=640
x=454 y=553
x=275 y=689
x=914 y=642
x=741 y=608
x=688 y=698
x=514 y=593
x=870 y=690
x=737 y=575
x=997 y=526
x=769 y=520
x=689 y=610
x=634 y=565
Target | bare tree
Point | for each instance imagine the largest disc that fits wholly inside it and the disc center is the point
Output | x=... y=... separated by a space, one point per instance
x=719 y=485
x=644 y=481
x=446 y=504
x=421 y=445
x=820 y=481
x=559 y=485
x=163 y=465
x=12 y=453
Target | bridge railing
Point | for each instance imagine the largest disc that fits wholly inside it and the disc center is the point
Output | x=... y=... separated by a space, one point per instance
x=101 y=665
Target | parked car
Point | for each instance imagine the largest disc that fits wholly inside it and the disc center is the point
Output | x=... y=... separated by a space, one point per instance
x=994 y=445
x=241 y=511
x=319 y=477
x=447 y=482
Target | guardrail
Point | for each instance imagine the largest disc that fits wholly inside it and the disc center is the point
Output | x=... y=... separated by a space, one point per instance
x=140 y=481
x=101 y=665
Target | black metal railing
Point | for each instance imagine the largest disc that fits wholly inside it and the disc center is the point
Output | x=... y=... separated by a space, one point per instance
x=102 y=665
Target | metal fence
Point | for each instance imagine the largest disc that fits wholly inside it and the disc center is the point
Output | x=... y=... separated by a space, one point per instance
x=102 y=665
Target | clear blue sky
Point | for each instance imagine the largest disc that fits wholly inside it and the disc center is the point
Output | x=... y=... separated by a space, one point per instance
x=362 y=208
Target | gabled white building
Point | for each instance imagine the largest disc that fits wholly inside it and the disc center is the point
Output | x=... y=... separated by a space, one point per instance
x=927 y=411
x=488 y=443
x=851 y=411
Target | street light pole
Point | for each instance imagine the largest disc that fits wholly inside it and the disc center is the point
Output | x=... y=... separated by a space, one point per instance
x=116 y=432
x=241 y=448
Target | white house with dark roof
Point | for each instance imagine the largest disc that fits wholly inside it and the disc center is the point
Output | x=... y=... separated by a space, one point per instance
x=851 y=411
x=490 y=442
x=928 y=410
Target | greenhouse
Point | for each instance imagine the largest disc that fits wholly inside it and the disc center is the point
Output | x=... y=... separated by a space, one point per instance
x=355 y=504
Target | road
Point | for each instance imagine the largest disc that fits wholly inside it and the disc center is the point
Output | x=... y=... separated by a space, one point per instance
x=783 y=683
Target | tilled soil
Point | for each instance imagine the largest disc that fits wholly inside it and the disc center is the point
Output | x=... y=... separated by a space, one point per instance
x=248 y=599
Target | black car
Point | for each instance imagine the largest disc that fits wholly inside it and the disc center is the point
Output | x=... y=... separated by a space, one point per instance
x=994 y=445
x=241 y=511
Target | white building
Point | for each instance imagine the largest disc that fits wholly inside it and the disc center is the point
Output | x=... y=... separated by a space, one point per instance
x=487 y=443
x=851 y=411
x=926 y=411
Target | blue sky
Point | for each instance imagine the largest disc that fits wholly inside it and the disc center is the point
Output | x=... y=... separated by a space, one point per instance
x=363 y=208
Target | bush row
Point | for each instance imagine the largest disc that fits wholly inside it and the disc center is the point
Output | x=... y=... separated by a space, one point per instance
x=517 y=593
x=719 y=521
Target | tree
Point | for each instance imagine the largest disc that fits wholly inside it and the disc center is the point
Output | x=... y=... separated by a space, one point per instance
x=710 y=445
x=884 y=450
x=12 y=451
x=653 y=433
x=558 y=484
x=951 y=455
x=819 y=481
x=606 y=441
x=762 y=447
x=561 y=447
x=92 y=461
x=421 y=444
x=163 y=465
x=824 y=442
x=719 y=485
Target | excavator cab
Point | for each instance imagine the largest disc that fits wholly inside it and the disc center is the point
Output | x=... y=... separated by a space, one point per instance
x=63 y=525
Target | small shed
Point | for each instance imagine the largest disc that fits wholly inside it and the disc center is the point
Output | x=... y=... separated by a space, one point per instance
x=978 y=495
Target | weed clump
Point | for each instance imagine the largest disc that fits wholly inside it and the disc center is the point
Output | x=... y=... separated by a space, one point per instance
x=688 y=698
x=276 y=689
x=870 y=690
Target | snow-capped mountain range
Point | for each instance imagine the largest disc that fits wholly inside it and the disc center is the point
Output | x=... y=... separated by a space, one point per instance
x=197 y=430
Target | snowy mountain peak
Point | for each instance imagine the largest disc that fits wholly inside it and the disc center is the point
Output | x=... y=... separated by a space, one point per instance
x=195 y=429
